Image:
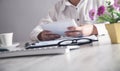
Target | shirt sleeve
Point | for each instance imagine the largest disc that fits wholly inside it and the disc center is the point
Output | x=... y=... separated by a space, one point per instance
x=103 y=35
x=101 y=29
x=38 y=29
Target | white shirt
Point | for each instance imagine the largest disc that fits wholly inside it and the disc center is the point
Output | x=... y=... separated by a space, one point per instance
x=64 y=10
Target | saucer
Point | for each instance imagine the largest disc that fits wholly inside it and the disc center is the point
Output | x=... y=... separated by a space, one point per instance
x=14 y=45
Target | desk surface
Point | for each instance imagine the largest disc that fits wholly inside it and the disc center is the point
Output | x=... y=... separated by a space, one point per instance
x=89 y=58
x=100 y=57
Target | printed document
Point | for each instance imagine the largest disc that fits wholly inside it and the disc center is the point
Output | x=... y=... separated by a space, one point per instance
x=59 y=27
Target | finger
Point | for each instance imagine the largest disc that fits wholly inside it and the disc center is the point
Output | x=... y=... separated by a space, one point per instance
x=70 y=34
x=44 y=36
x=53 y=36
x=79 y=28
x=48 y=35
x=57 y=36
x=73 y=33
x=71 y=28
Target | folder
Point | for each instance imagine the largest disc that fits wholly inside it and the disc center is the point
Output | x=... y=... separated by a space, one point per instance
x=63 y=41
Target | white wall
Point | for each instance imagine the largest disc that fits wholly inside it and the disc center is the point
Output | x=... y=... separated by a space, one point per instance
x=21 y=16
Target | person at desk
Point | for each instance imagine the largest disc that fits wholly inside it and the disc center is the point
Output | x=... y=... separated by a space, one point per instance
x=70 y=9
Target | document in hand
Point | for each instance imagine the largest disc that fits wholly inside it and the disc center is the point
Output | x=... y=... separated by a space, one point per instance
x=59 y=27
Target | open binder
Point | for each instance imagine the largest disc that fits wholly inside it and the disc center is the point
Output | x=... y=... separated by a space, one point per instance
x=65 y=41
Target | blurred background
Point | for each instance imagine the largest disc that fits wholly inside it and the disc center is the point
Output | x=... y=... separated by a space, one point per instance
x=21 y=16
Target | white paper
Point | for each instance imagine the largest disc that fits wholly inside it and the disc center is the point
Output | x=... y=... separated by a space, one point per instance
x=59 y=27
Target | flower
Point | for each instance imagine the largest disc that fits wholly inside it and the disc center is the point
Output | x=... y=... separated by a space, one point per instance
x=101 y=10
x=92 y=14
x=117 y=4
x=109 y=13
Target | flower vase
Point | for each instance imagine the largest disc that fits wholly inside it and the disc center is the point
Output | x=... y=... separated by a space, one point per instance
x=114 y=32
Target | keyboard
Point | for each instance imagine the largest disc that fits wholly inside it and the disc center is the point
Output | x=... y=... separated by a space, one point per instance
x=33 y=52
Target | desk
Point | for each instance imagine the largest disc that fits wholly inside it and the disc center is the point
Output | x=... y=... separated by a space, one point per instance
x=90 y=58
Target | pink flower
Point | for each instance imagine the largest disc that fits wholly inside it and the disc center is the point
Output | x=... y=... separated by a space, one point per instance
x=106 y=13
x=101 y=10
x=116 y=4
x=92 y=14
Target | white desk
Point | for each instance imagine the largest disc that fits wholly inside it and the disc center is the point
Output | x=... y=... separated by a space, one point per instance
x=100 y=57
x=89 y=58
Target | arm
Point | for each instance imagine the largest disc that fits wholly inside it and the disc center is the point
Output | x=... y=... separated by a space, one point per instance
x=37 y=31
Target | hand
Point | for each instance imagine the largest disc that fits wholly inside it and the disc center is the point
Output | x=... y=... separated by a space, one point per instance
x=84 y=30
x=47 y=35
x=73 y=31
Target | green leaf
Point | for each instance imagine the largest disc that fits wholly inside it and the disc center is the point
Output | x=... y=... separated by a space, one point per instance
x=117 y=13
x=102 y=19
x=110 y=9
x=107 y=18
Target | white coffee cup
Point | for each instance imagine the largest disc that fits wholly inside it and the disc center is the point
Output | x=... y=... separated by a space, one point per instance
x=6 y=39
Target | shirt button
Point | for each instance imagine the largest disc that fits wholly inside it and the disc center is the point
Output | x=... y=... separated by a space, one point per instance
x=76 y=8
x=78 y=19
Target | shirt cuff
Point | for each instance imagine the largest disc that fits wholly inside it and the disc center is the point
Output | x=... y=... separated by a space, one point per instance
x=101 y=29
x=35 y=33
